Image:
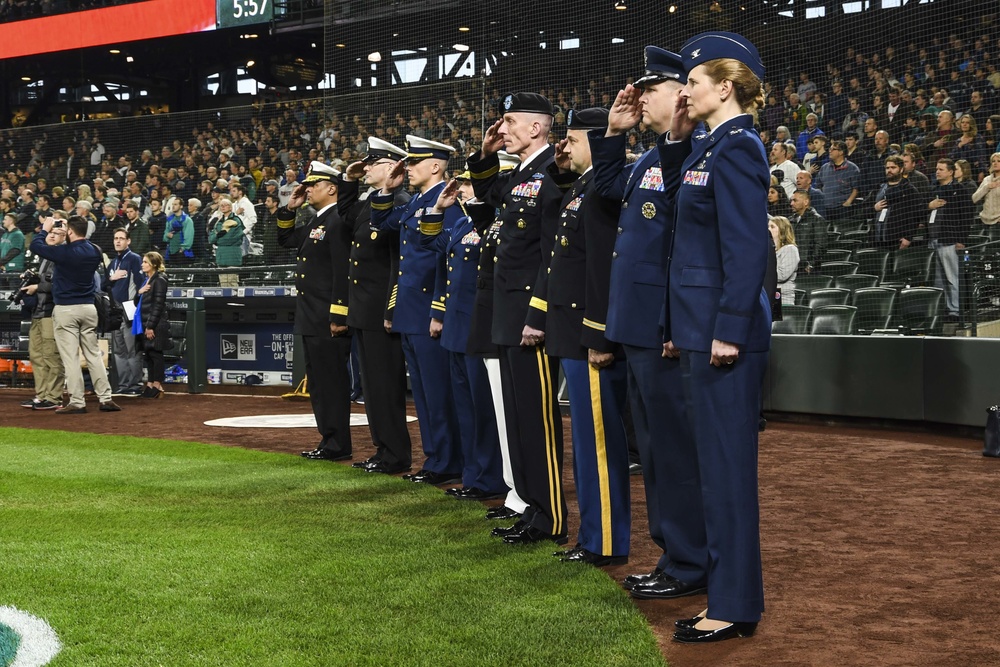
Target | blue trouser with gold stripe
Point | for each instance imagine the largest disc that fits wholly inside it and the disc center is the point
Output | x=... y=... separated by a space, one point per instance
x=534 y=434
x=600 y=455
x=430 y=381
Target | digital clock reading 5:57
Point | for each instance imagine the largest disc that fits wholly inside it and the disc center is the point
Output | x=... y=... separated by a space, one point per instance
x=235 y=13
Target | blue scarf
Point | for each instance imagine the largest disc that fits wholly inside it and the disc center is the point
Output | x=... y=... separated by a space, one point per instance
x=137 y=328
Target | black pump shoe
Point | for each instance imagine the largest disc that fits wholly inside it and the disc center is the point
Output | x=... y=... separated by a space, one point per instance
x=695 y=636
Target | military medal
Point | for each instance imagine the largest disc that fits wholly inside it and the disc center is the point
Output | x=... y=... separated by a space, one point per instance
x=521 y=224
x=564 y=242
x=648 y=210
x=374 y=235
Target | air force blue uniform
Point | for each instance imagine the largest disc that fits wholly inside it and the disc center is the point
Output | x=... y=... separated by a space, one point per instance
x=476 y=416
x=420 y=296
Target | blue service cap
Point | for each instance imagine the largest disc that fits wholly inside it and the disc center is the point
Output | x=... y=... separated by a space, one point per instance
x=661 y=65
x=712 y=45
x=419 y=148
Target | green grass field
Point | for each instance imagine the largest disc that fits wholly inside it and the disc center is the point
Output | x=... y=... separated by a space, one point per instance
x=153 y=552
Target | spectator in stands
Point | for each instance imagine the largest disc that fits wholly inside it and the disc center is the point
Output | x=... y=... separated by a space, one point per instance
x=777 y=201
x=156 y=219
x=970 y=147
x=795 y=114
x=178 y=234
x=11 y=246
x=804 y=181
x=868 y=134
x=151 y=327
x=787 y=255
x=873 y=168
x=962 y=171
x=124 y=277
x=839 y=179
x=288 y=185
x=46 y=364
x=199 y=221
x=978 y=110
x=805 y=136
x=939 y=144
x=243 y=207
x=138 y=230
x=810 y=230
x=989 y=193
x=911 y=158
x=836 y=108
x=897 y=112
x=787 y=168
x=773 y=114
x=898 y=209
x=853 y=151
x=947 y=230
x=227 y=236
x=75 y=315
x=103 y=236
x=817 y=156
x=992 y=132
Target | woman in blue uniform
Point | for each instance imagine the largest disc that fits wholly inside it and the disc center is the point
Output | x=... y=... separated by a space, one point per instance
x=718 y=318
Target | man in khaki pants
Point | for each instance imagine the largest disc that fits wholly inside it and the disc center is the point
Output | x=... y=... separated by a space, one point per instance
x=74 y=315
x=46 y=363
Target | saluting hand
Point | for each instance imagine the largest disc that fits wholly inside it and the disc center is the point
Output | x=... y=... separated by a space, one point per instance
x=354 y=172
x=681 y=126
x=298 y=197
x=626 y=111
x=395 y=178
x=448 y=196
x=492 y=140
x=562 y=157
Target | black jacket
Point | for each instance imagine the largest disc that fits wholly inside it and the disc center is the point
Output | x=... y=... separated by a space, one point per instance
x=154 y=314
x=810 y=237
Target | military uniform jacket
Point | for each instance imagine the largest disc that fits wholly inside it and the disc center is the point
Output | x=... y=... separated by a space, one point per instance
x=529 y=201
x=324 y=246
x=481 y=327
x=719 y=253
x=461 y=248
x=374 y=261
x=420 y=290
x=644 y=229
x=572 y=305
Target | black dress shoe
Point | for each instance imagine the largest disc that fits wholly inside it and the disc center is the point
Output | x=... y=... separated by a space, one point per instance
x=633 y=579
x=501 y=513
x=634 y=468
x=664 y=587
x=472 y=493
x=589 y=557
x=687 y=623
x=456 y=491
x=504 y=532
x=695 y=636
x=435 y=478
x=412 y=476
x=326 y=455
x=384 y=468
x=560 y=553
x=531 y=535
x=367 y=463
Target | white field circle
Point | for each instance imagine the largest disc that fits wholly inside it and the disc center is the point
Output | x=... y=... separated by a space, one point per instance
x=284 y=421
x=39 y=642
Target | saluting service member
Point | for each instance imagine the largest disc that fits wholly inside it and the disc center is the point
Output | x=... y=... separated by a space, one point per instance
x=638 y=288
x=321 y=305
x=572 y=310
x=372 y=298
x=529 y=201
x=481 y=344
x=482 y=476
x=718 y=319
x=419 y=308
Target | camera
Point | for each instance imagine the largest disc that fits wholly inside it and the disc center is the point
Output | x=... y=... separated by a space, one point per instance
x=29 y=277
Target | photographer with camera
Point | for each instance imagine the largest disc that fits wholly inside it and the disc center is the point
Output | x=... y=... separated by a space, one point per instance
x=11 y=245
x=75 y=314
x=46 y=364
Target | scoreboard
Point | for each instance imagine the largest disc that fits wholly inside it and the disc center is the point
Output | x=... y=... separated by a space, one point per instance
x=120 y=24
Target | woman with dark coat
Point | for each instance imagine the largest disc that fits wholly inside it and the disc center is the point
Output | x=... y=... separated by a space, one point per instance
x=150 y=324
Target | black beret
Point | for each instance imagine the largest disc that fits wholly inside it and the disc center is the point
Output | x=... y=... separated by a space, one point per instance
x=587 y=119
x=526 y=103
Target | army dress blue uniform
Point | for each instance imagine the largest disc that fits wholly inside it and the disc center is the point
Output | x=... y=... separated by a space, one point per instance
x=420 y=295
x=716 y=272
x=529 y=202
x=470 y=383
x=638 y=289
x=322 y=285
x=374 y=265
x=573 y=310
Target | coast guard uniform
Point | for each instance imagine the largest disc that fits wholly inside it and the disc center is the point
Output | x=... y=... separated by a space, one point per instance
x=716 y=272
x=573 y=306
x=373 y=269
x=420 y=296
x=529 y=201
x=638 y=288
x=321 y=281
x=482 y=476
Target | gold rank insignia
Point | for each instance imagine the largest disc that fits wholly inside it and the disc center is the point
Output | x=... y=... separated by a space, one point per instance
x=648 y=210
x=374 y=235
x=564 y=241
x=521 y=224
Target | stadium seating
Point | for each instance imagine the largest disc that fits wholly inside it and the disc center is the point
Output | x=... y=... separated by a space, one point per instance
x=875 y=306
x=853 y=281
x=918 y=309
x=794 y=320
x=833 y=321
x=835 y=269
x=831 y=296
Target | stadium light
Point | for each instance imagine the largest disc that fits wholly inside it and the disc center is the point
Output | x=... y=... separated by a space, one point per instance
x=114 y=51
x=251 y=63
x=25 y=78
x=620 y=5
x=129 y=59
x=464 y=28
x=375 y=57
x=340 y=46
x=673 y=8
x=461 y=47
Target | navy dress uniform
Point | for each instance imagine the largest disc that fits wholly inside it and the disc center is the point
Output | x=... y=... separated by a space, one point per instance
x=716 y=272
x=573 y=307
x=482 y=476
x=420 y=296
x=321 y=282
x=638 y=289
x=481 y=343
x=529 y=202
x=373 y=269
